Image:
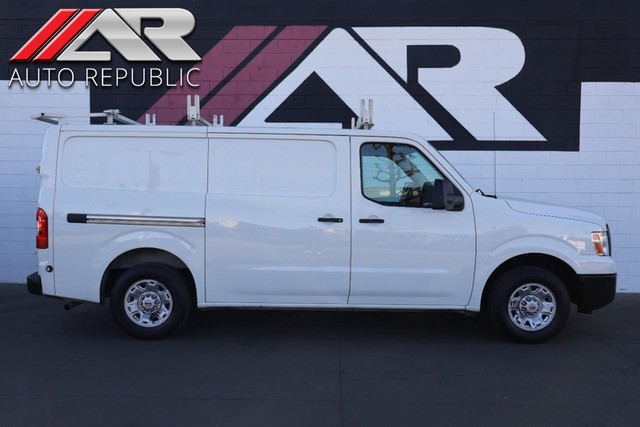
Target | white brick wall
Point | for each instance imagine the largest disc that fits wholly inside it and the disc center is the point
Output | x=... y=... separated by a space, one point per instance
x=20 y=150
x=604 y=177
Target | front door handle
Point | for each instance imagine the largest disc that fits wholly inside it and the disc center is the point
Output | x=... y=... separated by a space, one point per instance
x=371 y=221
x=330 y=219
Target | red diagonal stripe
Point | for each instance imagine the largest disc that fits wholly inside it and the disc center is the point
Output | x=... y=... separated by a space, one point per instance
x=215 y=66
x=51 y=51
x=261 y=72
x=43 y=35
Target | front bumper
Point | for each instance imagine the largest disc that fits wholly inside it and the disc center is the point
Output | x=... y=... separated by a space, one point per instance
x=34 y=284
x=594 y=291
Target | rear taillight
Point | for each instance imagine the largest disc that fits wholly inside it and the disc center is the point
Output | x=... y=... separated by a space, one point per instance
x=42 y=239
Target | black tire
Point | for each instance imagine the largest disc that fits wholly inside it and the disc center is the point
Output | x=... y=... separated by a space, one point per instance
x=529 y=305
x=150 y=301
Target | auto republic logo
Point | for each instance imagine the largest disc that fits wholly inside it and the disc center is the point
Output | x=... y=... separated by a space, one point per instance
x=62 y=37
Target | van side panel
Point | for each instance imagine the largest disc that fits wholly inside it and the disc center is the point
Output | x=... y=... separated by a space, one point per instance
x=122 y=190
x=278 y=220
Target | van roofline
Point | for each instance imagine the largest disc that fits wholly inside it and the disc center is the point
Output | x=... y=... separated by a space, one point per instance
x=214 y=130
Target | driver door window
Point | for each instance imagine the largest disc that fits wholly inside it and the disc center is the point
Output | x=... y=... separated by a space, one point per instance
x=396 y=175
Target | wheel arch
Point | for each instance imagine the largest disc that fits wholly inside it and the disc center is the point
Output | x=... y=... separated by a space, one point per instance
x=140 y=256
x=560 y=268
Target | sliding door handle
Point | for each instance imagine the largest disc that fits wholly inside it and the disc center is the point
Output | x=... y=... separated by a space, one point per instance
x=330 y=219
x=371 y=221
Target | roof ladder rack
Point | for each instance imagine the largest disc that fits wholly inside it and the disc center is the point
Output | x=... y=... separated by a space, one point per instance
x=113 y=116
x=193 y=112
x=365 y=121
x=194 y=117
x=48 y=118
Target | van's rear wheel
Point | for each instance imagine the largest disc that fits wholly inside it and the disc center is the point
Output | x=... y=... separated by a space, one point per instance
x=529 y=304
x=150 y=301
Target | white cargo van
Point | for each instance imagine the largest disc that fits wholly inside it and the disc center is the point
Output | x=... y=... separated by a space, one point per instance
x=165 y=219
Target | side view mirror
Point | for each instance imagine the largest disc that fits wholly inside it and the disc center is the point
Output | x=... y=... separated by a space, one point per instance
x=426 y=195
x=444 y=196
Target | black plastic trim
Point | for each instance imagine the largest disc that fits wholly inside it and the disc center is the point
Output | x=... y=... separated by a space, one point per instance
x=34 y=284
x=594 y=291
x=322 y=219
x=76 y=218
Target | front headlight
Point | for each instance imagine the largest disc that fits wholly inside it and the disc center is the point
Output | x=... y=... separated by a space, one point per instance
x=600 y=241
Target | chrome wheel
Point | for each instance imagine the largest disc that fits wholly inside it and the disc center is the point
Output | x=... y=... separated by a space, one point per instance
x=532 y=307
x=148 y=303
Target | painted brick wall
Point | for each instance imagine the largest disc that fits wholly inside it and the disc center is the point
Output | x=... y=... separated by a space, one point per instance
x=20 y=151
x=275 y=64
x=604 y=177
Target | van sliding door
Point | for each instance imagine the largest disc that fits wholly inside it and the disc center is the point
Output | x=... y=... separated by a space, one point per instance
x=278 y=220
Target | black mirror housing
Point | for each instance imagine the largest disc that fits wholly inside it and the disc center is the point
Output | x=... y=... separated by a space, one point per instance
x=426 y=195
x=445 y=197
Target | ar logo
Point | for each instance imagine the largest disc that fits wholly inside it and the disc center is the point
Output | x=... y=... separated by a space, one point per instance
x=456 y=70
x=65 y=33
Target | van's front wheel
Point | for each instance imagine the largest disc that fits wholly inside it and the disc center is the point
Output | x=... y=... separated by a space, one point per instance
x=529 y=304
x=150 y=301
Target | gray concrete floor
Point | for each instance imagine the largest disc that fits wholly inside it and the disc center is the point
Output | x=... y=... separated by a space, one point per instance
x=252 y=368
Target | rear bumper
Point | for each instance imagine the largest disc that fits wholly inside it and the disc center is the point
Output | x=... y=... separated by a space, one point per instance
x=34 y=284
x=594 y=291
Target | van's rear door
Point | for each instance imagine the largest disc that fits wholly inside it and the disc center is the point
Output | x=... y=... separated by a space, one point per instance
x=278 y=220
